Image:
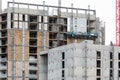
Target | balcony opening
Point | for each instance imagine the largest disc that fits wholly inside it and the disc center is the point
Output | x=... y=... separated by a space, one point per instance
x=63 y=28
x=4 y=42
x=98 y=72
x=118 y=56
x=4 y=17
x=63 y=73
x=111 y=55
x=119 y=73
x=111 y=64
x=4 y=34
x=42 y=18
x=33 y=26
x=23 y=17
x=4 y=26
x=98 y=55
x=12 y=25
x=111 y=73
x=33 y=34
x=33 y=18
x=4 y=50
x=98 y=63
x=33 y=50
x=63 y=64
x=33 y=64
x=33 y=42
x=50 y=28
x=63 y=55
x=98 y=78
x=118 y=64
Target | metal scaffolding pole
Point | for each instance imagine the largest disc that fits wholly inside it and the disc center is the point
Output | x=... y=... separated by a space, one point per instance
x=71 y=20
x=43 y=27
x=85 y=60
x=58 y=18
x=88 y=17
x=23 y=51
x=13 y=48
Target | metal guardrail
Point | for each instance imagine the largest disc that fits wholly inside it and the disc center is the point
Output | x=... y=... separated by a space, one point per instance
x=33 y=68
x=33 y=60
x=3 y=67
x=3 y=75
x=3 y=59
x=33 y=76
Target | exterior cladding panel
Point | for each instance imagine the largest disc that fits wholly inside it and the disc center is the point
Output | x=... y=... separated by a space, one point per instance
x=75 y=61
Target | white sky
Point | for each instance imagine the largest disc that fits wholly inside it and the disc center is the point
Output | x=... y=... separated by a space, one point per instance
x=105 y=9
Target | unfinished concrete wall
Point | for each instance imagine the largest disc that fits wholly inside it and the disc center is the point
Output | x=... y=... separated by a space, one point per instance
x=81 y=60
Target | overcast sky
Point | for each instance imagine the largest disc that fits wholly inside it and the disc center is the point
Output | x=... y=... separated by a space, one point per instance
x=105 y=9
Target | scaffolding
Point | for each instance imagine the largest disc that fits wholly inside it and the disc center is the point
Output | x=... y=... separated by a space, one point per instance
x=13 y=49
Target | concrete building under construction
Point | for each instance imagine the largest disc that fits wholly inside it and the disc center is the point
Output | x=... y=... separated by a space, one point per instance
x=27 y=29
x=80 y=61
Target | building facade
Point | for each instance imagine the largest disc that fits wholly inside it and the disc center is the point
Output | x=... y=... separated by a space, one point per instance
x=80 y=61
x=28 y=29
